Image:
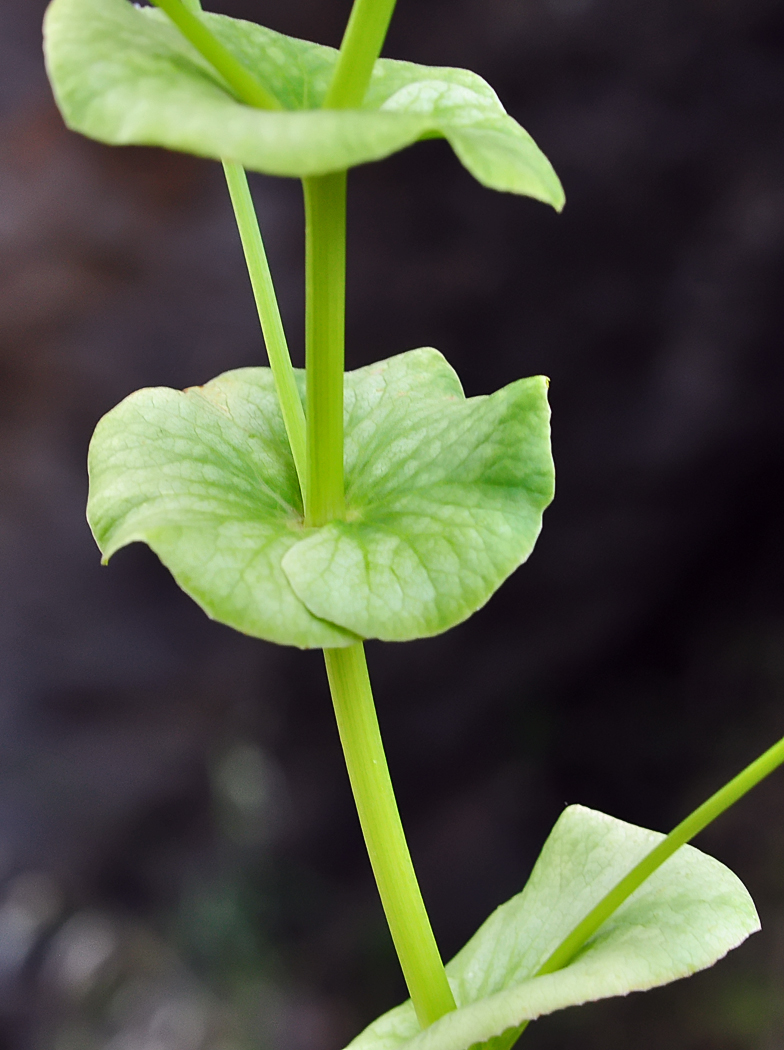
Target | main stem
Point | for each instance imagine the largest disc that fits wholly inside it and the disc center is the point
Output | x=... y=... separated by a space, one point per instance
x=384 y=837
x=325 y=275
x=325 y=294
x=325 y=297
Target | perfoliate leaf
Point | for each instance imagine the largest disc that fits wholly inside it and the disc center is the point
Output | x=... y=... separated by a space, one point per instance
x=123 y=75
x=444 y=499
x=684 y=917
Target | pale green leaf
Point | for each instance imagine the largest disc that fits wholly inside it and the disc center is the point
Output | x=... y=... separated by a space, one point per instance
x=683 y=918
x=123 y=74
x=444 y=497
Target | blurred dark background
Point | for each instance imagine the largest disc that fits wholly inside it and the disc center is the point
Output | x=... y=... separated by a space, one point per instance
x=180 y=865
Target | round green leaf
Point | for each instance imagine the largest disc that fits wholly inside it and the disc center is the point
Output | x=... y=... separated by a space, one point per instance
x=125 y=75
x=444 y=500
x=684 y=918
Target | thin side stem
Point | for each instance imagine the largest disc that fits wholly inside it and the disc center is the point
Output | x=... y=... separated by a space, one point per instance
x=325 y=304
x=185 y=16
x=386 y=844
x=269 y=315
x=240 y=80
x=362 y=42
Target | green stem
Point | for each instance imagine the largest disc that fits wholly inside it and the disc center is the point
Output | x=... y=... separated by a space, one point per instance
x=325 y=269
x=325 y=284
x=361 y=46
x=386 y=844
x=269 y=315
x=325 y=299
x=239 y=79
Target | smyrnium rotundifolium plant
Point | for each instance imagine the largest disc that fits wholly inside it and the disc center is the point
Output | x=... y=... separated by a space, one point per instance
x=318 y=508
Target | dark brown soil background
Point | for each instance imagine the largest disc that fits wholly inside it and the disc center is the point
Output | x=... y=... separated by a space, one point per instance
x=180 y=862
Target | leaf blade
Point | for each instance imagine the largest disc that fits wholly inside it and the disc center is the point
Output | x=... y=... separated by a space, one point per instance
x=445 y=497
